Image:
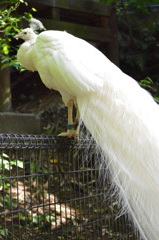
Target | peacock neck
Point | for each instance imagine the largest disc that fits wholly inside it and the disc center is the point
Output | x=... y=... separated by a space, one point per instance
x=24 y=55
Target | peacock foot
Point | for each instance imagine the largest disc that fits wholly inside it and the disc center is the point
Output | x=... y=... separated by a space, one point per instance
x=71 y=132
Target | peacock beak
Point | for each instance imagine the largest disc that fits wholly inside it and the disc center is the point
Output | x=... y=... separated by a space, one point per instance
x=19 y=35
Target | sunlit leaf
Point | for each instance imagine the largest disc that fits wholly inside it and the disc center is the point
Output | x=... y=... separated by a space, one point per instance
x=54 y=160
x=34 y=10
x=4 y=164
x=6 y=49
x=22 y=69
x=18 y=163
x=50 y=218
x=5 y=155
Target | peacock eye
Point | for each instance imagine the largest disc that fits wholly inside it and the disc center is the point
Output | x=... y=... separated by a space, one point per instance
x=25 y=32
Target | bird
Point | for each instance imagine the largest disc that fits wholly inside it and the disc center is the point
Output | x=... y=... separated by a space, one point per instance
x=122 y=117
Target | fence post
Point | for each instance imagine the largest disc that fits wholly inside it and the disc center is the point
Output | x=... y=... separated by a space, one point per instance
x=5 y=90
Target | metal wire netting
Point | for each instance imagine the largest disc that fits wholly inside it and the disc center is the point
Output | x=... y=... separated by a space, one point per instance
x=50 y=189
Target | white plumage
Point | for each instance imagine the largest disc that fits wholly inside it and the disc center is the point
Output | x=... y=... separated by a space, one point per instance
x=121 y=116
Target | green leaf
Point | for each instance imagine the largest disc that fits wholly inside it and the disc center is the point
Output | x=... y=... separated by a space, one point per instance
x=36 y=219
x=16 y=29
x=147 y=82
x=5 y=155
x=22 y=69
x=28 y=15
x=6 y=186
x=48 y=218
x=6 y=49
x=18 y=163
x=3 y=232
x=4 y=164
x=34 y=9
x=7 y=30
x=23 y=218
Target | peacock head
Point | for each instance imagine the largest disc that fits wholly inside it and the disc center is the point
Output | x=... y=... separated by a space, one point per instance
x=26 y=34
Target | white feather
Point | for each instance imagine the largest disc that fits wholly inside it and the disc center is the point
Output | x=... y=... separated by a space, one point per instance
x=35 y=24
x=121 y=116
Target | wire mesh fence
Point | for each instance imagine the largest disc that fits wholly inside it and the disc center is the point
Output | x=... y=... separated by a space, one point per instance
x=50 y=189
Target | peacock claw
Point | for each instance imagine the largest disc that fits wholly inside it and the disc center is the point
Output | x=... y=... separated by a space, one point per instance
x=70 y=134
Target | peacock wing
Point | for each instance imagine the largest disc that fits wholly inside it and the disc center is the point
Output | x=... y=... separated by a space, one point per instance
x=75 y=65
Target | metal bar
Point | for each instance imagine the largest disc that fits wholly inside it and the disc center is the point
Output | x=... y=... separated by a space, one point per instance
x=50 y=188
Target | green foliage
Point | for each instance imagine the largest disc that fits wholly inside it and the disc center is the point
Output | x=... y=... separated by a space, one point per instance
x=9 y=28
x=146 y=83
x=42 y=220
x=6 y=165
x=4 y=232
x=138 y=25
x=139 y=52
x=39 y=221
x=136 y=4
x=149 y=85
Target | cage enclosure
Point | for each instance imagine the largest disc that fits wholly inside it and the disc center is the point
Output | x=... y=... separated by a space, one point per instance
x=51 y=189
